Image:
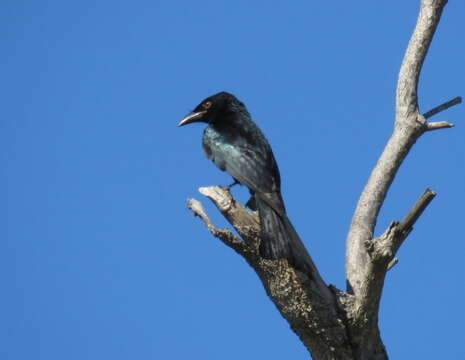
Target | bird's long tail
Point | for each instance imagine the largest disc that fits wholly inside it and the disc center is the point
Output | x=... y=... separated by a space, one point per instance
x=279 y=240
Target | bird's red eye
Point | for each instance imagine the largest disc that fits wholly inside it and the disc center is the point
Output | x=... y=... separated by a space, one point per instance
x=207 y=105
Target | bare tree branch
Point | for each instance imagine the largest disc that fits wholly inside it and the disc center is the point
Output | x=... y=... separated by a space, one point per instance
x=226 y=236
x=368 y=258
x=388 y=243
x=409 y=126
x=439 y=125
x=407 y=84
x=309 y=306
x=455 y=101
x=416 y=211
x=246 y=223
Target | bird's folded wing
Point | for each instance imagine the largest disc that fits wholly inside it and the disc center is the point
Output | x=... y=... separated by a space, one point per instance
x=258 y=173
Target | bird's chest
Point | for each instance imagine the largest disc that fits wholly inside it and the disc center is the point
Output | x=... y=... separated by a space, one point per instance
x=217 y=146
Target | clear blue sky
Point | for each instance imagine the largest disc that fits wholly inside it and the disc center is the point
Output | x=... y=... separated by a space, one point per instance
x=99 y=258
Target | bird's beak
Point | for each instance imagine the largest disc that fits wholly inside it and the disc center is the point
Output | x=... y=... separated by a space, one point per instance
x=192 y=117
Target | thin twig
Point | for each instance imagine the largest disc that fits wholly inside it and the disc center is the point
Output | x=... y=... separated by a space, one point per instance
x=386 y=245
x=442 y=107
x=416 y=210
x=438 y=125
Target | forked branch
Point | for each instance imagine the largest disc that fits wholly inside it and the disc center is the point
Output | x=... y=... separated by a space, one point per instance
x=307 y=304
x=368 y=258
x=409 y=126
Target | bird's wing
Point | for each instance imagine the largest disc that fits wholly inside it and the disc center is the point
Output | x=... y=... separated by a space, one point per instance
x=259 y=173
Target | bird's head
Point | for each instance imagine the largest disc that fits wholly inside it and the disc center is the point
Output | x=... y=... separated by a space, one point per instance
x=212 y=109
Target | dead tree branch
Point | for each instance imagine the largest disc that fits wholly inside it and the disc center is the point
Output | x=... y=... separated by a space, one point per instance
x=455 y=101
x=417 y=209
x=409 y=126
x=307 y=304
x=368 y=258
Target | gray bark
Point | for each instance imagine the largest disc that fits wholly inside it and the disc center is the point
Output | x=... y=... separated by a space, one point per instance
x=331 y=323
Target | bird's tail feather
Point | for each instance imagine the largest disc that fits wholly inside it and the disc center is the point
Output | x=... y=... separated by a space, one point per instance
x=279 y=240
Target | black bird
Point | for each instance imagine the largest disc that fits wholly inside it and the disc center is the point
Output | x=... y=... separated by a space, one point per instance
x=236 y=145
